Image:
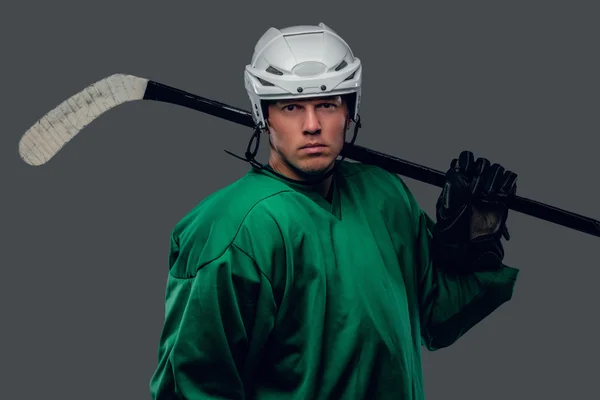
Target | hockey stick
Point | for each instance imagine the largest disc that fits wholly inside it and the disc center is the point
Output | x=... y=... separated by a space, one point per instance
x=55 y=129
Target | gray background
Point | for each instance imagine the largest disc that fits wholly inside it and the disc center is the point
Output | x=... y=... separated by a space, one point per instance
x=85 y=237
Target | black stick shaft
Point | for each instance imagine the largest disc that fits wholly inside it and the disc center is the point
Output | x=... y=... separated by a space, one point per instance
x=163 y=93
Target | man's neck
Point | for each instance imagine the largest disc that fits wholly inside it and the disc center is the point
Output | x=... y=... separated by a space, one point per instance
x=323 y=188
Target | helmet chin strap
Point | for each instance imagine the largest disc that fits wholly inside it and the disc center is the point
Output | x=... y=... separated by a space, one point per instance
x=312 y=180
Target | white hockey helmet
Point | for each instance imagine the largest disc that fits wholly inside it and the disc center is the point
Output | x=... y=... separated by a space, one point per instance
x=300 y=62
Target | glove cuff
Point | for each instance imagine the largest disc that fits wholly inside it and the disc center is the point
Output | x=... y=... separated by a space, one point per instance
x=486 y=253
x=458 y=254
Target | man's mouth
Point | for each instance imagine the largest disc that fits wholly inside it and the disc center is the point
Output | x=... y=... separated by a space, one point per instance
x=312 y=145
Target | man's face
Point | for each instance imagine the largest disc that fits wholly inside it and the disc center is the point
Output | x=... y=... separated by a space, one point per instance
x=306 y=135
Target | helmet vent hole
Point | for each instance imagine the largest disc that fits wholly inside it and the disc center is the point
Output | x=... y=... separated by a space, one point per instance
x=274 y=71
x=265 y=83
x=342 y=65
x=350 y=77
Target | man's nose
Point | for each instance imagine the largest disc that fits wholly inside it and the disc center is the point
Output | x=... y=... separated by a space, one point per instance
x=312 y=125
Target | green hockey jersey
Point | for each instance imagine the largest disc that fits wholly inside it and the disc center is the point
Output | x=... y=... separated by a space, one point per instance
x=275 y=292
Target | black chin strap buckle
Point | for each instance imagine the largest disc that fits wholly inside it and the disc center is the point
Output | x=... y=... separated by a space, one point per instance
x=357 y=126
x=251 y=154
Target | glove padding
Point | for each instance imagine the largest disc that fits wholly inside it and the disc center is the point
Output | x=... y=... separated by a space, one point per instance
x=471 y=215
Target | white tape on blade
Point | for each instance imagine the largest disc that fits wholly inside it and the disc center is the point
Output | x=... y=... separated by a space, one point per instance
x=55 y=129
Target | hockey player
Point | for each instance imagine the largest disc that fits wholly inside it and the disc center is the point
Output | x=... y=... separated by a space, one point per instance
x=314 y=278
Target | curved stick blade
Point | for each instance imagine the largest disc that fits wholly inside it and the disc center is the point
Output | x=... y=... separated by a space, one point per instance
x=55 y=129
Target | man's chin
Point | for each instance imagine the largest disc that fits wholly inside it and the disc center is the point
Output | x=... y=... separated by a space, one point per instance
x=314 y=168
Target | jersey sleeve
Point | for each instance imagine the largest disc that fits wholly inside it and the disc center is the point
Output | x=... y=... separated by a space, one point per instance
x=450 y=305
x=216 y=322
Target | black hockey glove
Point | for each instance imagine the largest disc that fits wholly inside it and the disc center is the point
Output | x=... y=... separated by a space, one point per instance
x=471 y=215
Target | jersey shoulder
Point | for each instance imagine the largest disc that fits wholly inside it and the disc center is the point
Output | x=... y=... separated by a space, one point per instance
x=384 y=190
x=205 y=233
x=374 y=178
